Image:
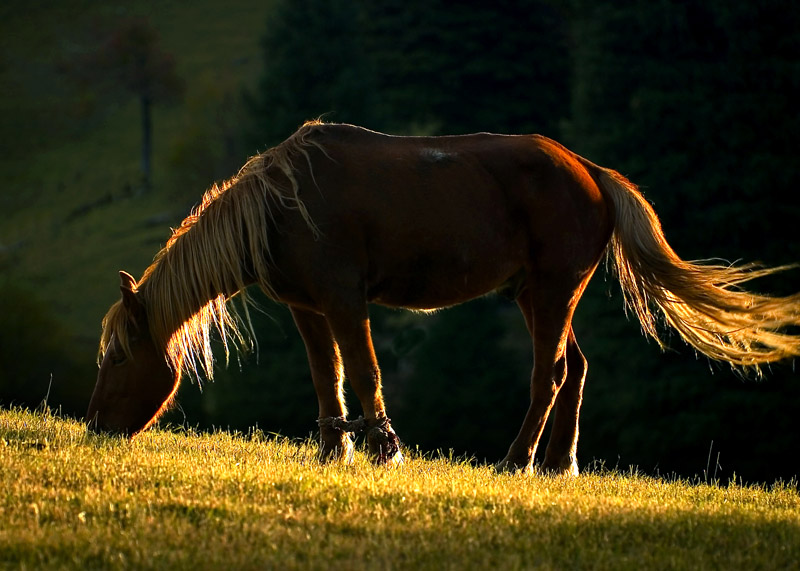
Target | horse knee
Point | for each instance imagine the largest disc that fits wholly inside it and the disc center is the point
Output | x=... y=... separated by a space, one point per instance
x=577 y=366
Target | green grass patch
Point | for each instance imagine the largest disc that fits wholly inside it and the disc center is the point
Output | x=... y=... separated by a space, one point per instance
x=187 y=500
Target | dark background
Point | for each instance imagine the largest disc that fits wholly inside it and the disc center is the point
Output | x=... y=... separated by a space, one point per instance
x=694 y=101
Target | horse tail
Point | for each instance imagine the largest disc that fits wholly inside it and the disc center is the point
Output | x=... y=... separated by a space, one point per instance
x=702 y=301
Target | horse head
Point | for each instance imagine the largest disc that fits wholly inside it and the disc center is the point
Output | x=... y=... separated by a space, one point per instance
x=135 y=383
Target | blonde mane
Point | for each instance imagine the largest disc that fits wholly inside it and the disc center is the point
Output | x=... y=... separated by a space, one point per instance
x=187 y=289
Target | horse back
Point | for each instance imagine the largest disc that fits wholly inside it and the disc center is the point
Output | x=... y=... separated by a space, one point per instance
x=424 y=222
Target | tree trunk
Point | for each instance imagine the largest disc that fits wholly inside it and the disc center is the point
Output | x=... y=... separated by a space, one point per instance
x=147 y=141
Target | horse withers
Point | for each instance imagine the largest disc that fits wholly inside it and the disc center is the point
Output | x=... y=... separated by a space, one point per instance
x=337 y=217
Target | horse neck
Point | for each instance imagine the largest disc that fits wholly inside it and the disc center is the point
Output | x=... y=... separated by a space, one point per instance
x=218 y=251
x=189 y=284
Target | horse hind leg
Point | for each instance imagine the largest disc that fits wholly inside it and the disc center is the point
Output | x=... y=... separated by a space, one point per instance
x=560 y=457
x=328 y=377
x=548 y=315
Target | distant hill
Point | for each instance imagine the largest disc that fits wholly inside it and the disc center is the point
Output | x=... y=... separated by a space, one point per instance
x=73 y=212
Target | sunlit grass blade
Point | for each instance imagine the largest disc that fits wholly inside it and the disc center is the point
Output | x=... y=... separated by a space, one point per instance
x=183 y=499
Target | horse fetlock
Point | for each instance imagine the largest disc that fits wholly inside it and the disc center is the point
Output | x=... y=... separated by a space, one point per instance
x=382 y=442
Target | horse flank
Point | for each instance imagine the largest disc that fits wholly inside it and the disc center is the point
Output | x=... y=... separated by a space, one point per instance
x=187 y=287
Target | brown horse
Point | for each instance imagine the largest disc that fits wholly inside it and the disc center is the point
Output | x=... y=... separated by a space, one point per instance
x=337 y=217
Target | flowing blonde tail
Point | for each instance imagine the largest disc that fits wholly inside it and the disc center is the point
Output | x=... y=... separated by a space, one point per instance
x=701 y=301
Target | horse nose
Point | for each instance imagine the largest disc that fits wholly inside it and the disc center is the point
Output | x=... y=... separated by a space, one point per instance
x=93 y=425
x=101 y=430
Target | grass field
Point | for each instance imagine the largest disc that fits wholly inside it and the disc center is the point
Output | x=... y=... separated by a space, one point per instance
x=185 y=500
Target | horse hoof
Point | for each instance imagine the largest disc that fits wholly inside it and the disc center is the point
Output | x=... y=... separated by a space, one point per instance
x=568 y=469
x=337 y=450
x=507 y=466
x=383 y=443
x=397 y=460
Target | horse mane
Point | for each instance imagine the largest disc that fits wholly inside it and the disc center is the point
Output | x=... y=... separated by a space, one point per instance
x=187 y=289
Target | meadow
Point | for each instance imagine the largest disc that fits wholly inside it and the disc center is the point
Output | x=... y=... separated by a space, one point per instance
x=182 y=499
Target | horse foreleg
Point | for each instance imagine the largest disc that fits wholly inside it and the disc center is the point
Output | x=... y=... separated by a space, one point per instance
x=560 y=456
x=328 y=377
x=548 y=319
x=352 y=332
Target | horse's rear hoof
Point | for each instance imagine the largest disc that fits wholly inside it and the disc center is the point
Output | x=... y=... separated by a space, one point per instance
x=567 y=469
x=508 y=466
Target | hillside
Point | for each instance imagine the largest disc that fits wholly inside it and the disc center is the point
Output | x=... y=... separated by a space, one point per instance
x=185 y=500
x=74 y=213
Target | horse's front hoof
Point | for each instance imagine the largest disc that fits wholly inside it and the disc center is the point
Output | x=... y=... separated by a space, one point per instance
x=382 y=443
x=336 y=448
x=397 y=459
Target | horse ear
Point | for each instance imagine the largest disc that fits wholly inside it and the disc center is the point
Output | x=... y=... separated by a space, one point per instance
x=126 y=280
x=129 y=299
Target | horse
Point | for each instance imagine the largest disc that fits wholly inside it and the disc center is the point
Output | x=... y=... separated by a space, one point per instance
x=337 y=217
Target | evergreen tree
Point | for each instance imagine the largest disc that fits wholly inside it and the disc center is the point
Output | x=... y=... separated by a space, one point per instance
x=314 y=65
x=131 y=60
x=693 y=101
x=466 y=382
x=498 y=66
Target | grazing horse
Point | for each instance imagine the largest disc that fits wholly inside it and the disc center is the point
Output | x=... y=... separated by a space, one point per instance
x=338 y=216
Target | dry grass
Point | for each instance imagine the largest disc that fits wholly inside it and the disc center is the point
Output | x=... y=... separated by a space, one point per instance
x=183 y=500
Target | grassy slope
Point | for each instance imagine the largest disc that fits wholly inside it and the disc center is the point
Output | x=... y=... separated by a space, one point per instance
x=195 y=501
x=62 y=151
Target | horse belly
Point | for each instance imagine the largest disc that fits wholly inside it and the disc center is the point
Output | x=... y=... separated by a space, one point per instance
x=426 y=294
x=418 y=272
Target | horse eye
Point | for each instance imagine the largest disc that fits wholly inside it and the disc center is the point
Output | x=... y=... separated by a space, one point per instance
x=119 y=359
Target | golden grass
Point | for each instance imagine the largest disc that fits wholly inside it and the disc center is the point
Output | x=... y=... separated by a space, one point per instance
x=184 y=500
